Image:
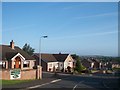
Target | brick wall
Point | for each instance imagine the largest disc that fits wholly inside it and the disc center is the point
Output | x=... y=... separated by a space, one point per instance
x=28 y=74
x=25 y=74
x=5 y=74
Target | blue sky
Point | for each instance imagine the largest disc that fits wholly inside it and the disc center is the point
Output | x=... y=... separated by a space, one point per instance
x=84 y=28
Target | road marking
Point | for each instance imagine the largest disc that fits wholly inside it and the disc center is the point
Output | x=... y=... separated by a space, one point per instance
x=77 y=85
x=43 y=84
x=65 y=74
x=105 y=85
x=38 y=86
x=55 y=80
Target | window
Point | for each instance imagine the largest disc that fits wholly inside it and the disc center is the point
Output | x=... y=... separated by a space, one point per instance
x=69 y=63
x=3 y=64
x=56 y=65
x=50 y=65
x=26 y=64
x=0 y=62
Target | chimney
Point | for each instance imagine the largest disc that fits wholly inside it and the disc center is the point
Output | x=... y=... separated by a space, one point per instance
x=12 y=44
x=59 y=52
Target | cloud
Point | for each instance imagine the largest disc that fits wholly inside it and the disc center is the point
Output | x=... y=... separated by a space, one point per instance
x=97 y=15
x=86 y=35
x=18 y=27
x=97 y=34
x=101 y=33
x=76 y=6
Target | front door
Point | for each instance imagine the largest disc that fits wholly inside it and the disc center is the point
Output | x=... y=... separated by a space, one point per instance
x=17 y=63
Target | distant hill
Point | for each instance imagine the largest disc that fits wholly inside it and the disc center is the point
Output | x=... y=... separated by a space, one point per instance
x=100 y=57
x=95 y=56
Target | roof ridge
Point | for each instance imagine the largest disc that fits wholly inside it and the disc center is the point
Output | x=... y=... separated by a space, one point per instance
x=7 y=45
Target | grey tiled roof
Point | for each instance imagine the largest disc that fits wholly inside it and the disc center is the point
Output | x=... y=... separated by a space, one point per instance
x=60 y=57
x=52 y=57
x=46 y=57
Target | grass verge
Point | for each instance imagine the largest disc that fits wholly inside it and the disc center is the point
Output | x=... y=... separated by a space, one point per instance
x=11 y=82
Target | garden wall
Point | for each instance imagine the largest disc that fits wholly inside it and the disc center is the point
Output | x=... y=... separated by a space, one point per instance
x=24 y=74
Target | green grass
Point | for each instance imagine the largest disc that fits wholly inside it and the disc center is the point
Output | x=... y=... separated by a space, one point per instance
x=9 y=82
x=116 y=69
x=94 y=71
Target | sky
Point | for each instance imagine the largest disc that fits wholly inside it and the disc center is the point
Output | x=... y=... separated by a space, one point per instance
x=83 y=28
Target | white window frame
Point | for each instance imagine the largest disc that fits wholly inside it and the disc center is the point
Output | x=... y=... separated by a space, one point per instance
x=27 y=63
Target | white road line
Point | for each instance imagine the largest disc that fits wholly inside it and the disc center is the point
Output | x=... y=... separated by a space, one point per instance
x=38 y=86
x=64 y=74
x=77 y=85
x=105 y=85
x=43 y=84
x=55 y=80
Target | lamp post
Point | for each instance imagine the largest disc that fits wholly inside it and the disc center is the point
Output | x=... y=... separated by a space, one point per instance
x=40 y=48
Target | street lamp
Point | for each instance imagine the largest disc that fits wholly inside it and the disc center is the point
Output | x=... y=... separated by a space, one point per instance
x=40 y=48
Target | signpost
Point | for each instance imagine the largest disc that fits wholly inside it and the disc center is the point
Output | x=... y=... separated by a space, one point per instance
x=15 y=74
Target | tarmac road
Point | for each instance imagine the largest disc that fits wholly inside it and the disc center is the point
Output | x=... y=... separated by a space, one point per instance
x=72 y=82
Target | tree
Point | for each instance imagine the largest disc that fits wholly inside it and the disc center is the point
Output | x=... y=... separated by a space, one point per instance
x=74 y=56
x=79 y=67
x=27 y=48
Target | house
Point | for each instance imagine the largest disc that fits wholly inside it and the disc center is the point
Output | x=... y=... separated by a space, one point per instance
x=48 y=62
x=13 y=58
x=17 y=64
x=112 y=64
x=57 y=62
x=92 y=63
x=97 y=64
x=87 y=63
x=65 y=61
x=115 y=64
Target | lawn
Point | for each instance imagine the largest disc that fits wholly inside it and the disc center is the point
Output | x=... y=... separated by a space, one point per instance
x=116 y=69
x=9 y=82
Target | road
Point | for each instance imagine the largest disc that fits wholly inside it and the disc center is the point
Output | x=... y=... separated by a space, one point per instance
x=74 y=82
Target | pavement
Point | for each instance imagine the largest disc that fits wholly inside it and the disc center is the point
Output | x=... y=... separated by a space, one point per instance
x=73 y=82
